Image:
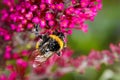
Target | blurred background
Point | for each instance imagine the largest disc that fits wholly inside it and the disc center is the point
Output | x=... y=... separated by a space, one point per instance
x=104 y=30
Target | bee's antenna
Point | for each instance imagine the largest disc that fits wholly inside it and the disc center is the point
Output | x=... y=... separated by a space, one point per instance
x=36 y=29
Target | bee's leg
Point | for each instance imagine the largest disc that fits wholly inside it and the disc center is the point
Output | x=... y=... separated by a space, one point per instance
x=40 y=36
x=58 y=53
x=65 y=45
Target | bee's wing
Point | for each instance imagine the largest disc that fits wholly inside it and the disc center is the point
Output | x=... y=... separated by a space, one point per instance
x=33 y=55
x=37 y=59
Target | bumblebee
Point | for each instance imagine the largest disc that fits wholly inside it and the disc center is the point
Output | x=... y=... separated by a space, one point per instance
x=48 y=45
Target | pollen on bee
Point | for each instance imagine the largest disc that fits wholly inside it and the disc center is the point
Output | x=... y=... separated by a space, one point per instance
x=37 y=44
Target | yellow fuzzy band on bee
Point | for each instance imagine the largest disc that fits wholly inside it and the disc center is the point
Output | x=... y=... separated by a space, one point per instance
x=37 y=44
x=60 y=42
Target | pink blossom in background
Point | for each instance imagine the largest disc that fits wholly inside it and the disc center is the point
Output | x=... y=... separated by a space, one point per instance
x=67 y=64
x=57 y=66
x=17 y=68
x=3 y=77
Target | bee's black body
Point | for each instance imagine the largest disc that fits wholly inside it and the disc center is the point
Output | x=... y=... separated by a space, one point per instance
x=49 y=44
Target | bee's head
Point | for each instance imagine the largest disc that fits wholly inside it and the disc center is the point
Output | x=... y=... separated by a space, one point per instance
x=59 y=34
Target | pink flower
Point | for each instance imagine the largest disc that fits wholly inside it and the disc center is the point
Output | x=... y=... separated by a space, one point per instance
x=12 y=76
x=10 y=68
x=35 y=20
x=22 y=63
x=49 y=16
x=21 y=66
x=64 y=23
x=42 y=23
x=3 y=77
x=60 y=6
x=7 y=54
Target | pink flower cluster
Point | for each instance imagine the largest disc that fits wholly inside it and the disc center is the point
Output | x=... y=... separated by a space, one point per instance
x=57 y=66
x=16 y=66
x=5 y=34
x=63 y=15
